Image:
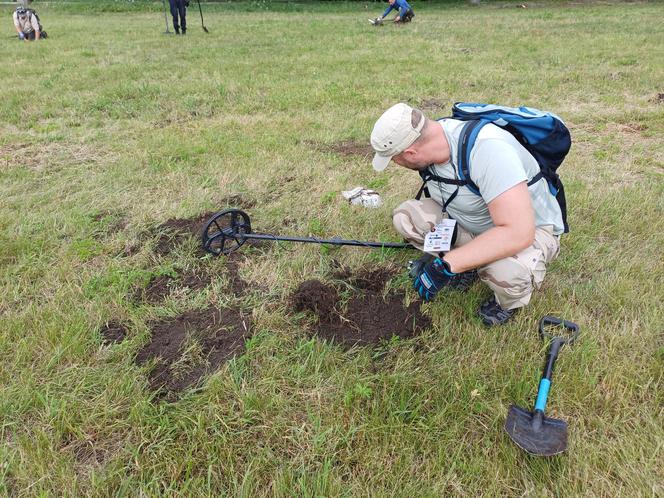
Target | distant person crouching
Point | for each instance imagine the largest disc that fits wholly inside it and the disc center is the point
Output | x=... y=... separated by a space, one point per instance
x=28 y=27
x=404 y=11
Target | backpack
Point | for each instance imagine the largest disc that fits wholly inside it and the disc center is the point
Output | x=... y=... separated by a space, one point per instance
x=542 y=134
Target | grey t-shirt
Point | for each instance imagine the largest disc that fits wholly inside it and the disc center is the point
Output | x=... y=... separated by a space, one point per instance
x=498 y=162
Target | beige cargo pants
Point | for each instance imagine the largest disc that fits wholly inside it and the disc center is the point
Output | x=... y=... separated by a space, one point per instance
x=512 y=279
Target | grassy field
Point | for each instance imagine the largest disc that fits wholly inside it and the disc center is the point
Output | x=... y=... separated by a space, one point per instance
x=110 y=129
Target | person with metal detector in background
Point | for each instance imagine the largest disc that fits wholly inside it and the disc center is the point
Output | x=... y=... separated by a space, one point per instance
x=179 y=13
x=404 y=12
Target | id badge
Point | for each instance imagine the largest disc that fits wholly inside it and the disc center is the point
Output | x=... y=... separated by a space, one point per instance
x=440 y=239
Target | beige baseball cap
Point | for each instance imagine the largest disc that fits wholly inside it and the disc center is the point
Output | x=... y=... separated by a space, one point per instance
x=393 y=133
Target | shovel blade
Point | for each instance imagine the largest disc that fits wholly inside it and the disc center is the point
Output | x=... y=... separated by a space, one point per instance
x=550 y=439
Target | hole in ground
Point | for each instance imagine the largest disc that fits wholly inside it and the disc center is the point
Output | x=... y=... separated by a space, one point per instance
x=113 y=333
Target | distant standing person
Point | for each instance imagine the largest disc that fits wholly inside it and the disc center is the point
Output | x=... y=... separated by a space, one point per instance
x=28 y=27
x=404 y=11
x=179 y=10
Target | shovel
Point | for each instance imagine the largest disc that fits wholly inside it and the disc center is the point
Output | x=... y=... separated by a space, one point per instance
x=532 y=431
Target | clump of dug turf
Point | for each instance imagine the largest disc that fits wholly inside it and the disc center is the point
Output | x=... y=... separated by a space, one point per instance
x=190 y=346
x=367 y=317
x=314 y=295
x=113 y=333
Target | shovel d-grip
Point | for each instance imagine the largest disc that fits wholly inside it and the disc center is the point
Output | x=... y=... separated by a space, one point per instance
x=532 y=431
x=229 y=229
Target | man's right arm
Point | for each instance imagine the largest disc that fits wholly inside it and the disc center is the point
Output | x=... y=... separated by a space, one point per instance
x=35 y=26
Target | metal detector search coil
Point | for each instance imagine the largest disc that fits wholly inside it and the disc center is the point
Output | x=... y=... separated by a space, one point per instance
x=229 y=229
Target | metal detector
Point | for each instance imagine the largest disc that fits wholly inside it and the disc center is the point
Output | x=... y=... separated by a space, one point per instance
x=227 y=230
x=532 y=431
x=167 y=32
x=201 y=12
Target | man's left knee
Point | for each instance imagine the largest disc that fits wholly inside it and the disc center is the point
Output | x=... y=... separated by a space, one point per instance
x=514 y=279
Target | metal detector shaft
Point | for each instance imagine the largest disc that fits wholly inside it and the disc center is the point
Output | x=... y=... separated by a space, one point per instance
x=229 y=229
x=335 y=242
x=163 y=2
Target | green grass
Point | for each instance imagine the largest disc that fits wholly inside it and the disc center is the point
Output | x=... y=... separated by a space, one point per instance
x=109 y=119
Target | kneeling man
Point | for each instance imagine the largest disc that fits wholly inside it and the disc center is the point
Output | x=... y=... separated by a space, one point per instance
x=506 y=236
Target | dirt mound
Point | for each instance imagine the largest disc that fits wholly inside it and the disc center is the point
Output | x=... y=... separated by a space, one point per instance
x=367 y=318
x=361 y=149
x=190 y=346
x=314 y=295
x=159 y=287
x=113 y=333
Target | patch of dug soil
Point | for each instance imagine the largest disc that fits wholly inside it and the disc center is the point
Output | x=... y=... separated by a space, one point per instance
x=361 y=149
x=113 y=333
x=238 y=286
x=658 y=99
x=161 y=286
x=368 y=318
x=314 y=295
x=190 y=346
x=175 y=231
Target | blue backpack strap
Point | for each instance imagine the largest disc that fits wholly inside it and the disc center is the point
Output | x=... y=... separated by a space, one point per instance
x=467 y=139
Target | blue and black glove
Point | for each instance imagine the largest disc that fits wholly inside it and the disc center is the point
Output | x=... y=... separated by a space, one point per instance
x=21 y=36
x=434 y=276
